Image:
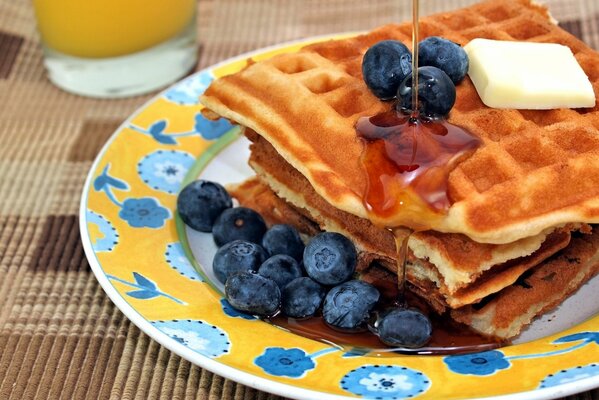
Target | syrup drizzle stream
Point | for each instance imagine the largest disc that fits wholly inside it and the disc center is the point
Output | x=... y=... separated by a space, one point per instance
x=415 y=41
x=407 y=160
x=402 y=236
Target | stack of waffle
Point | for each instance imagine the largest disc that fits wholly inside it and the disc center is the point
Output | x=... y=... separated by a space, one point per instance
x=516 y=239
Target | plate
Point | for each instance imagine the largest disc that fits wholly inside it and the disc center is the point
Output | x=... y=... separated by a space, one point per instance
x=139 y=251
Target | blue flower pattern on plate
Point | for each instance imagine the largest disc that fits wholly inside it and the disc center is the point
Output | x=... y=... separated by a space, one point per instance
x=231 y=312
x=188 y=91
x=105 y=182
x=208 y=129
x=483 y=363
x=201 y=337
x=156 y=131
x=570 y=375
x=110 y=236
x=588 y=337
x=355 y=352
x=176 y=258
x=144 y=212
x=139 y=213
x=145 y=288
x=211 y=130
x=285 y=362
x=164 y=170
x=385 y=382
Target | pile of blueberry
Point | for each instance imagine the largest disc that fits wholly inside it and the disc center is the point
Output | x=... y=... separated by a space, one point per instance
x=387 y=71
x=267 y=271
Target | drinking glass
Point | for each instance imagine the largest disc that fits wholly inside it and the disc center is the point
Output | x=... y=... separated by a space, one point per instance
x=116 y=48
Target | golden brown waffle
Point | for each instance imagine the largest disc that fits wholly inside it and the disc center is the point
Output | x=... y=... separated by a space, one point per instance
x=543 y=288
x=535 y=170
x=505 y=314
x=540 y=283
x=463 y=271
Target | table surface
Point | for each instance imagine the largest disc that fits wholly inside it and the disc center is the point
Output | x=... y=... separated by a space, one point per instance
x=60 y=336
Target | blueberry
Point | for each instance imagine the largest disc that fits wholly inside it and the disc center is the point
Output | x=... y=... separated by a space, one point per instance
x=253 y=293
x=444 y=54
x=404 y=327
x=201 y=202
x=237 y=256
x=283 y=239
x=330 y=258
x=347 y=306
x=436 y=92
x=384 y=66
x=302 y=297
x=238 y=223
x=280 y=268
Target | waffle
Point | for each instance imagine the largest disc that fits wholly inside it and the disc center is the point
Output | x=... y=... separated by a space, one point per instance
x=524 y=179
x=462 y=271
x=540 y=290
x=536 y=283
x=523 y=199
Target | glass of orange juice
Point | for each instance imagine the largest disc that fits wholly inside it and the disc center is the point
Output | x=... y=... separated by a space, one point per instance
x=116 y=48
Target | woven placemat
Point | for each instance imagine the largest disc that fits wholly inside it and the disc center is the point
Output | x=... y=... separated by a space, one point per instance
x=60 y=336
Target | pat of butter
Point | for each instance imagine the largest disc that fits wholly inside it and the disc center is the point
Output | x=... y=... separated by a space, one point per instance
x=525 y=75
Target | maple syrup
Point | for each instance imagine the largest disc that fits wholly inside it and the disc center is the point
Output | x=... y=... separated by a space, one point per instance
x=448 y=336
x=401 y=236
x=407 y=160
x=415 y=40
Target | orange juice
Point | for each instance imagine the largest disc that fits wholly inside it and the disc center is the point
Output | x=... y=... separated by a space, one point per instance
x=110 y=28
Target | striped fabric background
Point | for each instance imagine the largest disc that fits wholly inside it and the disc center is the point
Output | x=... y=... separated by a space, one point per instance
x=60 y=336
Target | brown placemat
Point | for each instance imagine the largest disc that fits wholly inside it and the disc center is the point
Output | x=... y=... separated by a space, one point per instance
x=60 y=336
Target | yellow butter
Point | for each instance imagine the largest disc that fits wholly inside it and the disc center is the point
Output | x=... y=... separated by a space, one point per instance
x=525 y=75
